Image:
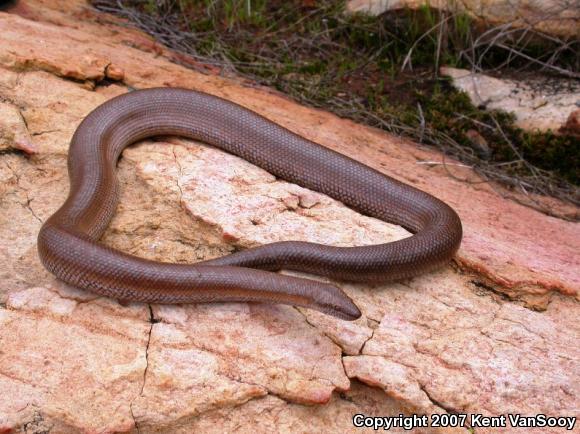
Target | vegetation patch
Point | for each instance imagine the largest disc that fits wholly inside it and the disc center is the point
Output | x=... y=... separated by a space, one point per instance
x=382 y=71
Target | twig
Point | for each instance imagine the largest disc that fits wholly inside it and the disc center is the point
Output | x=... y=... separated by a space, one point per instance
x=407 y=60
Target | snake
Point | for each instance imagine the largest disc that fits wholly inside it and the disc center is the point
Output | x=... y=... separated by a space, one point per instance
x=69 y=244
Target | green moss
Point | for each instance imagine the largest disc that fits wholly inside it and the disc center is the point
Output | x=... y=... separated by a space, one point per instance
x=448 y=110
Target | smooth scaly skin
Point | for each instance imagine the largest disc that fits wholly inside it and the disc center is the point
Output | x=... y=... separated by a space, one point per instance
x=68 y=241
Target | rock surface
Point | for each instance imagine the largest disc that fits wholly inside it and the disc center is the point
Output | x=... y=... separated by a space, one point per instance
x=493 y=333
x=556 y=17
x=572 y=125
x=540 y=104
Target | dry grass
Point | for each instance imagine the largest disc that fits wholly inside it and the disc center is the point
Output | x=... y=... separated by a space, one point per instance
x=308 y=54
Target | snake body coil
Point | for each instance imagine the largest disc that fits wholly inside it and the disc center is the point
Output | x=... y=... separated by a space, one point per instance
x=68 y=241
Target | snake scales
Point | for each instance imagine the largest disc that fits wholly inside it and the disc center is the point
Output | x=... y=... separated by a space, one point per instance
x=68 y=241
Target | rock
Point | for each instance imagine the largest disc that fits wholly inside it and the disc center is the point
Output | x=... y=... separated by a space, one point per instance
x=114 y=73
x=489 y=334
x=556 y=17
x=514 y=353
x=541 y=104
x=13 y=131
x=572 y=125
x=56 y=345
x=276 y=415
x=247 y=203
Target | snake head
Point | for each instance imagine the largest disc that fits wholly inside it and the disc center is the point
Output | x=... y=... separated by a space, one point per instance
x=333 y=301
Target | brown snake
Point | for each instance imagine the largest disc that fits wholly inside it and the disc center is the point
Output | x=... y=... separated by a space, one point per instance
x=68 y=241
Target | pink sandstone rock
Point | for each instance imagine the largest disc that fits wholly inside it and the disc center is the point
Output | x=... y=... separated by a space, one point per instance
x=517 y=358
x=13 y=131
x=460 y=339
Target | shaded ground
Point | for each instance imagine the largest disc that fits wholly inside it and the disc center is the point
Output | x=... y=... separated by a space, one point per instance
x=381 y=71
